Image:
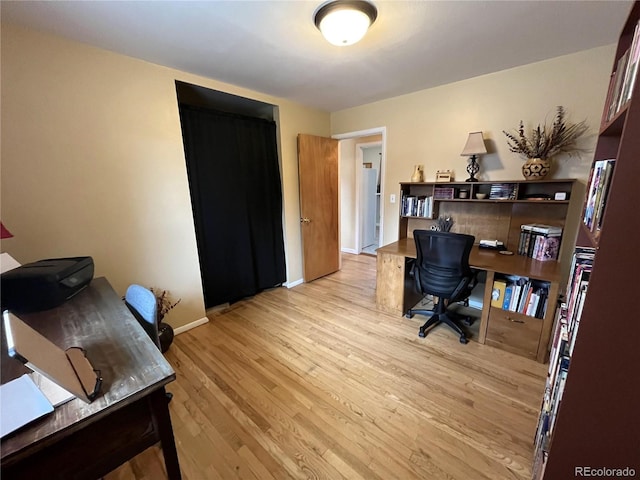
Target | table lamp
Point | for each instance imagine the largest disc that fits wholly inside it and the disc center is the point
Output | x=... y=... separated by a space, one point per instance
x=475 y=146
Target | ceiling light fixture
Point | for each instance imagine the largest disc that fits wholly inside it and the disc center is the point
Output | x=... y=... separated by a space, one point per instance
x=345 y=22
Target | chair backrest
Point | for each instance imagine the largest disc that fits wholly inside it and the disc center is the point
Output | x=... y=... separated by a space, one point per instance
x=442 y=263
x=144 y=306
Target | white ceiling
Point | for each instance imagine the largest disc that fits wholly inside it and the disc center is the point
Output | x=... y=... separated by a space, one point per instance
x=273 y=46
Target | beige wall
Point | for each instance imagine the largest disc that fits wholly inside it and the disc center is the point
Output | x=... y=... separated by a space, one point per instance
x=430 y=127
x=92 y=158
x=347 y=176
x=93 y=164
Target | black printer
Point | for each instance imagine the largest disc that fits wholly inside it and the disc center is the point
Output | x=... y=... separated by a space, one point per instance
x=44 y=284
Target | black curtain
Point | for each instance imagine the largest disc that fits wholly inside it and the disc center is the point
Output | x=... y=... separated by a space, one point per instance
x=236 y=196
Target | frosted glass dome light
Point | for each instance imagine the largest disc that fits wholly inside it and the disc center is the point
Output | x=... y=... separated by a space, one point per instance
x=344 y=22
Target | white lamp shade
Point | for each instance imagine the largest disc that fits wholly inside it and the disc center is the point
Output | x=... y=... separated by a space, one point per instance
x=344 y=27
x=475 y=145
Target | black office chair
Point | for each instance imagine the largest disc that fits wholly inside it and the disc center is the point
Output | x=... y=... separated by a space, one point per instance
x=442 y=270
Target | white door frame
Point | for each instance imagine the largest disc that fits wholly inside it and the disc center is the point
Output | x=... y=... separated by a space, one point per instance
x=358 y=178
x=358 y=158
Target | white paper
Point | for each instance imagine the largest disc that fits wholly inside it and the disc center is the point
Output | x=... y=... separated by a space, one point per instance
x=7 y=262
x=21 y=402
x=54 y=392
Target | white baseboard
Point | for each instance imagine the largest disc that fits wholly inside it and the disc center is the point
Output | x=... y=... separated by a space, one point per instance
x=294 y=283
x=189 y=326
x=349 y=250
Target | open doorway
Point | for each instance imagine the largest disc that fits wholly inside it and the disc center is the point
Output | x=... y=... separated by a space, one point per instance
x=369 y=159
x=361 y=174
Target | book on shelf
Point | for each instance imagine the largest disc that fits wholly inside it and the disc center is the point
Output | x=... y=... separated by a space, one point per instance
x=560 y=340
x=508 y=291
x=597 y=193
x=515 y=297
x=582 y=295
x=576 y=295
x=534 y=302
x=520 y=295
x=517 y=284
x=539 y=241
x=556 y=379
x=547 y=249
x=542 y=304
x=594 y=178
x=417 y=206
x=503 y=191
x=408 y=201
x=605 y=111
x=564 y=338
x=602 y=199
x=623 y=78
x=617 y=89
x=526 y=297
x=544 y=229
x=497 y=293
x=631 y=69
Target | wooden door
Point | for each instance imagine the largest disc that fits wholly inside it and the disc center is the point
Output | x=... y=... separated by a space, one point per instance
x=318 y=177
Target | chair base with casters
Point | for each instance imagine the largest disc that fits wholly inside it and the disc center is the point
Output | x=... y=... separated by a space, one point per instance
x=440 y=315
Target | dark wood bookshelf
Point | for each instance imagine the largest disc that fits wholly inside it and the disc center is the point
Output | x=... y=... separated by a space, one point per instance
x=490 y=218
x=598 y=419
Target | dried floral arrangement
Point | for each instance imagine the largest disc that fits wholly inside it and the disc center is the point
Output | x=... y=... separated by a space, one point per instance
x=165 y=303
x=546 y=141
x=444 y=224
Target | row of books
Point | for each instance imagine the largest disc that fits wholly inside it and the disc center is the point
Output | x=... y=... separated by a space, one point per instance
x=520 y=295
x=623 y=78
x=503 y=191
x=597 y=193
x=417 y=206
x=565 y=334
x=554 y=388
x=540 y=242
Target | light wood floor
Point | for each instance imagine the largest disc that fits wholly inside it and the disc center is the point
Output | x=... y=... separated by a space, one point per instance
x=314 y=382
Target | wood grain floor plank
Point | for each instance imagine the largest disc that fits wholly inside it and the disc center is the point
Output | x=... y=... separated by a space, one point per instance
x=315 y=382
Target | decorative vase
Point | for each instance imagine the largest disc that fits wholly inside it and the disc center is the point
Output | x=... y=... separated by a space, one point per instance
x=536 y=168
x=417 y=174
x=165 y=334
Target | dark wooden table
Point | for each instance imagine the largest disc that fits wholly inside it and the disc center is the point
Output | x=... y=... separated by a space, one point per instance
x=130 y=414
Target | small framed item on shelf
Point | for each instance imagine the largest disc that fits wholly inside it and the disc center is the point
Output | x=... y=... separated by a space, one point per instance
x=443 y=193
x=444 y=176
x=561 y=196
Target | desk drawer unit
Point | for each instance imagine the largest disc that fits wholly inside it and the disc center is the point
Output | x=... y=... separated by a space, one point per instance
x=514 y=332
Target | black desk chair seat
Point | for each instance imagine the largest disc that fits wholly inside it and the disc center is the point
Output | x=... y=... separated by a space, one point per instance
x=442 y=270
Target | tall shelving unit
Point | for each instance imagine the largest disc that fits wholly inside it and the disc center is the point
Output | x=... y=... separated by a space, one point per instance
x=477 y=216
x=597 y=424
x=487 y=210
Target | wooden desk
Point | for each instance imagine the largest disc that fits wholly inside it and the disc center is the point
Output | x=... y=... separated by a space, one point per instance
x=528 y=336
x=86 y=441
